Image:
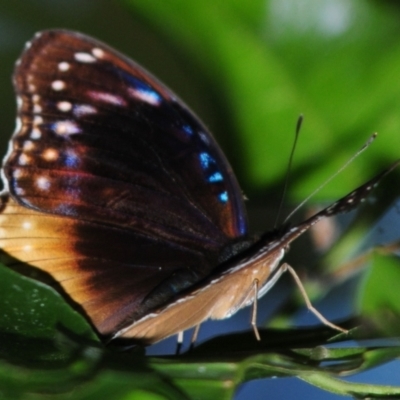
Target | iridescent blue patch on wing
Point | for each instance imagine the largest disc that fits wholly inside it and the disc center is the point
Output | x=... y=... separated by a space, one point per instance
x=141 y=87
x=148 y=95
x=188 y=129
x=71 y=160
x=216 y=177
x=223 y=197
x=205 y=160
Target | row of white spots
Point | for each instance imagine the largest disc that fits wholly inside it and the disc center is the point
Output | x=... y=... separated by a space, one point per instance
x=42 y=182
x=36 y=133
x=87 y=57
x=18 y=173
x=24 y=159
x=145 y=95
x=37 y=109
x=31 y=86
x=48 y=155
x=79 y=110
x=29 y=145
x=64 y=66
x=69 y=127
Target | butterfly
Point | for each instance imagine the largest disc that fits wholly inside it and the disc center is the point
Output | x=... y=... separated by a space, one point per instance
x=115 y=189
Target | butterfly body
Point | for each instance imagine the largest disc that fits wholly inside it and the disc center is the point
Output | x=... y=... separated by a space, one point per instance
x=116 y=190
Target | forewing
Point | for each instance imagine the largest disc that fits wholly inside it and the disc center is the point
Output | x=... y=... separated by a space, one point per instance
x=101 y=139
x=137 y=190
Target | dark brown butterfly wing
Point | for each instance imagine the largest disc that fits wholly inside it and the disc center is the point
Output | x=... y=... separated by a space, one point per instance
x=133 y=198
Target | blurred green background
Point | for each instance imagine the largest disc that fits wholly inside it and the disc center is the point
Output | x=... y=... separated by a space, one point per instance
x=248 y=69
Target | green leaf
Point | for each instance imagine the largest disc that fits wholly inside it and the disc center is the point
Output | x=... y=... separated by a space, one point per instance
x=379 y=298
x=32 y=309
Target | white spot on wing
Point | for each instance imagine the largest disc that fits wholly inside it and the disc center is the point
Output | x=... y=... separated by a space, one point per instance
x=64 y=106
x=37 y=120
x=63 y=66
x=107 y=98
x=98 y=53
x=18 y=173
x=71 y=159
x=43 y=183
x=66 y=128
x=28 y=145
x=148 y=96
x=81 y=110
x=26 y=225
x=58 y=85
x=27 y=248
x=19 y=191
x=84 y=57
x=24 y=159
x=19 y=102
x=18 y=124
x=204 y=137
x=50 y=154
x=36 y=134
x=37 y=109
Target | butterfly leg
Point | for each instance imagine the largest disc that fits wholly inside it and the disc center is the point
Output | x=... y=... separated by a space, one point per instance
x=254 y=310
x=195 y=334
x=179 y=342
x=287 y=267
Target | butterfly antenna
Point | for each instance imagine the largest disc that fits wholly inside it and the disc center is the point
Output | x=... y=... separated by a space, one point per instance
x=364 y=147
x=289 y=169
